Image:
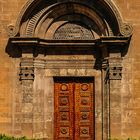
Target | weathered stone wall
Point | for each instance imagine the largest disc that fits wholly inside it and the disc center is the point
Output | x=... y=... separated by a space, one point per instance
x=125 y=101
x=125 y=96
x=9 y=69
x=43 y=105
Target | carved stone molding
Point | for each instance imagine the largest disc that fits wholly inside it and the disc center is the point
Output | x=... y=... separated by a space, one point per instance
x=126 y=29
x=72 y=31
x=112 y=68
x=11 y=30
x=26 y=74
x=108 y=5
x=19 y=19
x=105 y=70
x=104 y=64
x=115 y=68
x=27 y=69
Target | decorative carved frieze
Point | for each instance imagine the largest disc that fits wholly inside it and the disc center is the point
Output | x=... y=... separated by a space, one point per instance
x=27 y=90
x=73 y=31
x=115 y=68
x=112 y=68
x=27 y=69
x=26 y=74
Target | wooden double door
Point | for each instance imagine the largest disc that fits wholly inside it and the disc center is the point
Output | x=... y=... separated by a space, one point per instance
x=74 y=108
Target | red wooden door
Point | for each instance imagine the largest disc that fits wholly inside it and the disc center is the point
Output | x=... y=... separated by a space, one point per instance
x=74 y=109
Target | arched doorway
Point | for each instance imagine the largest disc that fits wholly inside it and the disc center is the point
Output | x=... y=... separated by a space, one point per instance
x=69 y=43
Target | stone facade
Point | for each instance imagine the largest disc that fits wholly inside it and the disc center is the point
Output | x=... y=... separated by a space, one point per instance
x=27 y=85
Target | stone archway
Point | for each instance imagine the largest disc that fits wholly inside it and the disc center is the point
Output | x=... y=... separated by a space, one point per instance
x=66 y=39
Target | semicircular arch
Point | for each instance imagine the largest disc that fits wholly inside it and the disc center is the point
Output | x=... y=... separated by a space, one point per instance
x=74 y=13
x=101 y=12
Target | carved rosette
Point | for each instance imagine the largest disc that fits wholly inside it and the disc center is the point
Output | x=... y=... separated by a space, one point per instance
x=84 y=115
x=126 y=29
x=11 y=30
x=84 y=131
x=64 y=87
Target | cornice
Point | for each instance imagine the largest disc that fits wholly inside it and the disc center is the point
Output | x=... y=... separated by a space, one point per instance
x=114 y=40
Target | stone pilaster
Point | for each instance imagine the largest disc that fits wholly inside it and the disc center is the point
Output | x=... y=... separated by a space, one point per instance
x=27 y=78
x=105 y=100
x=115 y=76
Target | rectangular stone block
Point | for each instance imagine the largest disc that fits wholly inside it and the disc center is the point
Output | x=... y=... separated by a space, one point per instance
x=27 y=129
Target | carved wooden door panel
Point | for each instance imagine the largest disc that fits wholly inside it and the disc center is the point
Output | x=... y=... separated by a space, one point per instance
x=74 y=109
